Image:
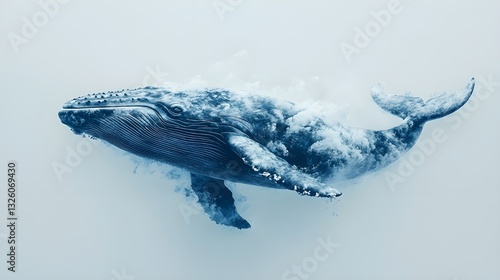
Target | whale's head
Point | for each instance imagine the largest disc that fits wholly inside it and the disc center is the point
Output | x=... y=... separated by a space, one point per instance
x=177 y=127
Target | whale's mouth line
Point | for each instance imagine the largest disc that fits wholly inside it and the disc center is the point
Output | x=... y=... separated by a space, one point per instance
x=163 y=116
x=69 y=107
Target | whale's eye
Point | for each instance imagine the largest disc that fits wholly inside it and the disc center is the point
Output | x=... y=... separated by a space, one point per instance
x=177 y=109
x=172 y=110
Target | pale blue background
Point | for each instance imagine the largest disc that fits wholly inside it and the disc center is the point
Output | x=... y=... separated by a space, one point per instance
x=441 y=223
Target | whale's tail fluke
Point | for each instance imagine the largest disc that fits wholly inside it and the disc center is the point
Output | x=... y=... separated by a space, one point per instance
x=416 y=110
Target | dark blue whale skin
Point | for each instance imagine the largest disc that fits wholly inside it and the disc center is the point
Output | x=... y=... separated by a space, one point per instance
x=218 y=135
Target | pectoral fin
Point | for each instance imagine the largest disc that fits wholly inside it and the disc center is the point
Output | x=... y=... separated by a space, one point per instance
x=276 y=169
x=217 y=201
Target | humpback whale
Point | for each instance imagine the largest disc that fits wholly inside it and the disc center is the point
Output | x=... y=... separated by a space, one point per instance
x=218 y=135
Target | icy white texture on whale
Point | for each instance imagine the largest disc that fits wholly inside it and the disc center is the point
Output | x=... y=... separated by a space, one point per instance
x=219 y=135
